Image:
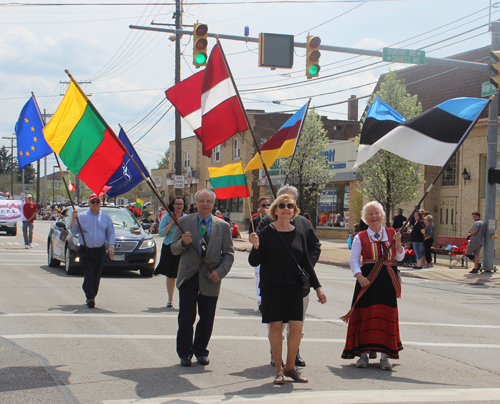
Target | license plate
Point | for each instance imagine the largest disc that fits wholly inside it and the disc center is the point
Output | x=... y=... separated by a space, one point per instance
x=119 y=257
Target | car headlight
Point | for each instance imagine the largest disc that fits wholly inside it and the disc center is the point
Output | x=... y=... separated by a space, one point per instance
x=147 y=244
x=76 y=241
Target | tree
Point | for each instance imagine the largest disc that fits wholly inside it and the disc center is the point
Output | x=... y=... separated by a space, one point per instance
x=388 y=178
x=163 y=162
x=29 y=173
x=4 y=160
x=310 y=172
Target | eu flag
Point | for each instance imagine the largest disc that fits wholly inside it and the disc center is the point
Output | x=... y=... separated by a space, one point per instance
x=31 y=144
x=127 y=176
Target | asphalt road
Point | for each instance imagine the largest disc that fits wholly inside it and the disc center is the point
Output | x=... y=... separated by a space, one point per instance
x=53 y=349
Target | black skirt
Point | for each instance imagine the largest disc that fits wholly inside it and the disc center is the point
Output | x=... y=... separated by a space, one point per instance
x=282 y=303
x=169 y=263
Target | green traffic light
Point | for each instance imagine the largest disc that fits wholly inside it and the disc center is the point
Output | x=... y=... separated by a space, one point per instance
x=313 y=70
x=200 y=58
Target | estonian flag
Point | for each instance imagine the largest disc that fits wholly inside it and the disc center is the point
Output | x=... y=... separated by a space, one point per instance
x=431 y=137
x=380 y=119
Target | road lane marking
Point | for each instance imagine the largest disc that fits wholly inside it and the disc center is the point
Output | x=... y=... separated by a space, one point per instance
x=230 y=338
x=334 y=397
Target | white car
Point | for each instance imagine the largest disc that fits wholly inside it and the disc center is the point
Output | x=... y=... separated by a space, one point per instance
x=9 y=227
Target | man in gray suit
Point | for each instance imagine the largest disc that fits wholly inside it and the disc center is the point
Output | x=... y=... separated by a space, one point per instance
x=211 y=236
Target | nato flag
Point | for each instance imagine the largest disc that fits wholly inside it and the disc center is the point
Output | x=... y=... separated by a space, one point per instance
x=31 y=144
x=127 y=176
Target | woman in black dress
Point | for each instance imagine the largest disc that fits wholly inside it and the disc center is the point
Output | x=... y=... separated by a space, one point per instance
x=280 y=286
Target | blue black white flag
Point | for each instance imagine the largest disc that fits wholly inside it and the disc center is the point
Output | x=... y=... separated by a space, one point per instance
x=31 y=144
x=127 y=176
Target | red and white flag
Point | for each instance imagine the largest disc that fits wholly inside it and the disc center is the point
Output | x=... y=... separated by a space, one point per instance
x=186 y=98
x=222 y=115
x=71 y=186
x=208 y=102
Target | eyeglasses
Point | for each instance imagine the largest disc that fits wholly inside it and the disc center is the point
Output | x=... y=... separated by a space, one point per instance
x=286 y=205
x=265 y=205
x=95 y=201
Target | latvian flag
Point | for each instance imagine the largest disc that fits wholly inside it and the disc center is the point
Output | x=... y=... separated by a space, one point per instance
x=209 y=100
x=431 y=137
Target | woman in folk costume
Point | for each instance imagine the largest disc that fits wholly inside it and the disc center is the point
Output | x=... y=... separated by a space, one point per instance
x=373 y=318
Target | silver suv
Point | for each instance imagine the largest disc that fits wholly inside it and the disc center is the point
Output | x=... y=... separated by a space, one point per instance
x=9 y=227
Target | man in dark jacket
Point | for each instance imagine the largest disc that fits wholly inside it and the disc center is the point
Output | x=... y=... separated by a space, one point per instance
x=313 y=246
x=399 y=220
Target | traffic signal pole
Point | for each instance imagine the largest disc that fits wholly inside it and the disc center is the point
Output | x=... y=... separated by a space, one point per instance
x=178 y=123
x=491 y=162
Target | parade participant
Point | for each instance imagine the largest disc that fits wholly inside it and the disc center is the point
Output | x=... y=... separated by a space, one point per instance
x=374 y=301
x=198 y=286
x=313 y=247
x=29 y=212
x=476 y=241
x=97 y=228
x=169 y=263
x=279 y=249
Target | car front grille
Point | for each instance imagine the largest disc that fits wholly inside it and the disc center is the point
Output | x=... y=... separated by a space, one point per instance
x=125 y=246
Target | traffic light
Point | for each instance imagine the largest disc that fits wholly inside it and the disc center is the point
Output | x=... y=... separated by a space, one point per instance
x=312 y=56
x=495 y=68
x=200 y=44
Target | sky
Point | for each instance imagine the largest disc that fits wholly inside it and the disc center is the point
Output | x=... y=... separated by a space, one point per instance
x=125 y=72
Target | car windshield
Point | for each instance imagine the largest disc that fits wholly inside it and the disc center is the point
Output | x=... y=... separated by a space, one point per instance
x=122 y=218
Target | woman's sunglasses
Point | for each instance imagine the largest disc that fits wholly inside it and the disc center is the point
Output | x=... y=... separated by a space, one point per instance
x=286 y=205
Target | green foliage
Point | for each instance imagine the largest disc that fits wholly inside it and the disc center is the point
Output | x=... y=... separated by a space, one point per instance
x=163 y=162
x=310 y=172
x=29 y=174
x=388 y=178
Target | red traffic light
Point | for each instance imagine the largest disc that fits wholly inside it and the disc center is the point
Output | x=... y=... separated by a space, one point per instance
x=201 y=30
x=315 y=42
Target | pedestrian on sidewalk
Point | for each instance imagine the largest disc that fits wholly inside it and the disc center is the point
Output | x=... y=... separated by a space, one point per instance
x=280 y=249
x=97 y=228
x=29 y=212
x=428 y=240
x=373 y=318
x=399 y=220
x=417 y=237
x=476 y=241
x=169 y=263
x=313 y=248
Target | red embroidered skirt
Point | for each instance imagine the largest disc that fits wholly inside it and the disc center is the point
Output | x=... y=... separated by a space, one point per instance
x=374 y=325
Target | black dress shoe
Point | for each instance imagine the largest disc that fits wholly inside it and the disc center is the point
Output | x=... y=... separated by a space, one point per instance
x=203 y=360
x=91 y=303
x=299 y=361
x=186 y=361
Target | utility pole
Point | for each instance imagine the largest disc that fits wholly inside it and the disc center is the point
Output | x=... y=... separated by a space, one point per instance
x=491 y=162
x=11 y=163
x=178 y=36
x=44 y=120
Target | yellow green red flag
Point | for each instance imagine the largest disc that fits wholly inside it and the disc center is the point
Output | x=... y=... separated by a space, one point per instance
x=229 y=181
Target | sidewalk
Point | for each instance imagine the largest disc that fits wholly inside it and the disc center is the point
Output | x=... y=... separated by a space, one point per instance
x=336 y=252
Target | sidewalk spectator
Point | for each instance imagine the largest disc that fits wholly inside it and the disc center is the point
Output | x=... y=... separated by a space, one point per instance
x=322 y=219
x=476 y=241
x=227 y=216
x=399 y=220
x=29 y=212
x=235 y=230
x=428 y=239
x=417 y=237
x=338 y=219
x=306 y=215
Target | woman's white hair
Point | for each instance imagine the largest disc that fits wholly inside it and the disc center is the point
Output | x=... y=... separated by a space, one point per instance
x=373 y=204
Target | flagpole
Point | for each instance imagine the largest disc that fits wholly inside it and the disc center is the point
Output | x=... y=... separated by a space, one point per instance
x=60 y=169
x=297 y=142
x=417 y=207
x=246 y=116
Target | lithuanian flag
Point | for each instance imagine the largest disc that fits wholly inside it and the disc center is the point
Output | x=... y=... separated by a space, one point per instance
x=139 y=204
x=229 y=181
x=282 y=143
x=85 y=142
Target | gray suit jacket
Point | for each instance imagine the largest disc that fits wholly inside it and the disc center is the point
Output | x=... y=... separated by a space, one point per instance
x=219 y=257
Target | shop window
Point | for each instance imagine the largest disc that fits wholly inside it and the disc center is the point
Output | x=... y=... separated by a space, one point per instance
x=449 y=176
x=216 y=154
x=186 y=158
x=236 y=149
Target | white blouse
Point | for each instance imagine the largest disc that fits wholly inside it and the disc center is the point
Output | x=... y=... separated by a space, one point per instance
x=355 y=257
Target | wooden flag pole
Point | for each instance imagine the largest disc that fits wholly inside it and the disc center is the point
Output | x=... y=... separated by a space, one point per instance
x=61 y=171
x=380 y=261
x=246 y=117
x=297 y=142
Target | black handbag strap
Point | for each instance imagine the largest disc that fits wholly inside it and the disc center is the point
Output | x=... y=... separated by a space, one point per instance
x=287 y=246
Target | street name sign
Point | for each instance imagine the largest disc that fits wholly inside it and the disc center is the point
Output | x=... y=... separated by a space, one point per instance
x=487 y=89
x=395 y=55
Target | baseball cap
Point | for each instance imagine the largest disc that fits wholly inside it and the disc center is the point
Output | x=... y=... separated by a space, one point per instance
x=94 y=196
x=29 y=196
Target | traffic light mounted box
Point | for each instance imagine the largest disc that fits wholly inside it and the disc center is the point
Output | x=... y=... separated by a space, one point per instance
x=200 y=44
x=312 y=56
x=495 y=68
